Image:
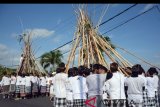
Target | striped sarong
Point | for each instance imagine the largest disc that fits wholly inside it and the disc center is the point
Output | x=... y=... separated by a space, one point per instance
x=132 y=103
x=34 y=87
x=48 y=88
x=12 y=88
x=151 y=102
x=43 y=89
x=69 y=103
x=5 y=89
x=17 y=89
x=22 y=89
x=145 y=98
x=60 y=102
x=156 y=98
x=79 y=103
x=115 y=103
x=28 y=89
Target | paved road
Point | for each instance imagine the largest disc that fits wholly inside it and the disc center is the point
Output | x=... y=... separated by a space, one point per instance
x=34 y=102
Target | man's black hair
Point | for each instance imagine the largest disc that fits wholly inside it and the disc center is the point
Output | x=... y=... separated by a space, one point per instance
x=70 y=72
x=114 y=67
x=103 y=67
x=109 y=75
x=81 y=70
x=135 y=70
x=152 y=71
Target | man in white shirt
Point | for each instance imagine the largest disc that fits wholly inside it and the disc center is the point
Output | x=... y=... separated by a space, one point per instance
x=13 y=85
x=22 y=86
x=69 y=93
x=48 y=79
x=115 y=87
x=18 y=80
x=150 y=88
x=34 y=85
x=59 y=82
x=43 y=84
x=95 y=84
x=5 y=85
x=135 y=86
x=79 y=89
x=156 y=80
x=142 y=74
x=28 y=85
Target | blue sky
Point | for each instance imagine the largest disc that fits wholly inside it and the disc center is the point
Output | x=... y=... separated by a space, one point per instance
x=55 y=24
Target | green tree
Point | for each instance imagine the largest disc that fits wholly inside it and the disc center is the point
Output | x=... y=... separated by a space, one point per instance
x=52 y=58
x=108 y=40
x=5 y=69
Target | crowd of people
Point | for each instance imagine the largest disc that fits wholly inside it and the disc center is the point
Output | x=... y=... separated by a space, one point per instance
x=25 y=85
x=107 y=87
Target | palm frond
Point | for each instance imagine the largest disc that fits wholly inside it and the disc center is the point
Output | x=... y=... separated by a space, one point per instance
x=51 y=58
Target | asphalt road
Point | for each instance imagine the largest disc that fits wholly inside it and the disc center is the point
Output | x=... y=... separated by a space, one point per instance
x=34 y=102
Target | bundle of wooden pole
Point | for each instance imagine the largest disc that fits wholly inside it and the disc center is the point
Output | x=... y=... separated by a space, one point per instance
x=90 y=41
x=28 y=64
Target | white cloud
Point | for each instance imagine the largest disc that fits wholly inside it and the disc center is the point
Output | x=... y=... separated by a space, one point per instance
x=146 y=7
x=2 y=48
x=8 y=56
x=40 y=33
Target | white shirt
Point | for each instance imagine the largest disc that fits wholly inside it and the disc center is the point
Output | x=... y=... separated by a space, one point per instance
x=51 y=90
x=34 y=79
x=22 y=81
x=95 y=84
x=21 y=59
x=13 y=80
x=28 y=81
x=79 y=87
x=104 y=95
x=135 y=86
x=5 y=81
x=156 y=79
x=150 y=87
x=43 y=81
x=69 y=93
x=59 y=82
x=115 y=86
x=18 y=80
x=38 y=81
x=144 y=78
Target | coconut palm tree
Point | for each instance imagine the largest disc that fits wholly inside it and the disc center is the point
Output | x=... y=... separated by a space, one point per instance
x=52 y=58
